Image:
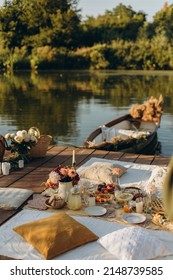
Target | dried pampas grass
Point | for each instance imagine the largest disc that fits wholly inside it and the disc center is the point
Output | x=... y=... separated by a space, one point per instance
x=150 y=110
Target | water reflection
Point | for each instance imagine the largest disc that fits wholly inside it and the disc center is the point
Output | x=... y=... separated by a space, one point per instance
x=70 y=104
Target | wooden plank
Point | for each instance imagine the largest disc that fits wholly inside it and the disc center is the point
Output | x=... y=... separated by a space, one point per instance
x=161 y=161
x=114 y=155
x=129 y=157
x=144 y=159
x=14 y=176
x=6 y=214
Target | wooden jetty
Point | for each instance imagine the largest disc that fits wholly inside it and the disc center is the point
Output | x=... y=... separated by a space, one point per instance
x=36 y=171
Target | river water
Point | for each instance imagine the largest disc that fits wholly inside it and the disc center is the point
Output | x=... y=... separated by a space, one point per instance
x=70 y=104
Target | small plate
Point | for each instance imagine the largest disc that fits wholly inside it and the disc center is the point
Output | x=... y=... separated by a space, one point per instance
x=95 y=211
x=134 y=218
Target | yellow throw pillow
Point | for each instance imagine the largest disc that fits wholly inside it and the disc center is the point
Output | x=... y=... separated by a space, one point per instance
x=102 y=172
x=55 y=235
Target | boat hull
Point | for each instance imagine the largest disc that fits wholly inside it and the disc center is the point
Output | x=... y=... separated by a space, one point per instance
x=143 y=145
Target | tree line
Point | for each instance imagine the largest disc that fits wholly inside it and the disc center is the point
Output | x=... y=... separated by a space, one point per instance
x=51 y=34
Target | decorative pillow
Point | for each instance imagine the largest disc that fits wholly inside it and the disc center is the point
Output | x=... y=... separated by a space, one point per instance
x=134 y=243
x=102 y=172
x=12 y=198
x=55 y=235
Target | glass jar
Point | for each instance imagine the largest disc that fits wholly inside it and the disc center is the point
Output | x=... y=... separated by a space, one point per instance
x=127 y=207
x=74 y=201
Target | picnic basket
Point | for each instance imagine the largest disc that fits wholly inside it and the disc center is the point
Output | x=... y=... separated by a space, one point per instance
x=43 y=142
x=2 y=147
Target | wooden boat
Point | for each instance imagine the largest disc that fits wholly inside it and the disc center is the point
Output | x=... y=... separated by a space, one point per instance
x=128 y=133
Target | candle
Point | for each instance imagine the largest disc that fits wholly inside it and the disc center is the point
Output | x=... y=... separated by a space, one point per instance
x=73 y=159
x=139 y=207
x=21 y=163
x=5 y=168
x=91 y=201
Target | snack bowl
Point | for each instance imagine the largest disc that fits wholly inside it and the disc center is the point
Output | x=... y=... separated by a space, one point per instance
x=55 y=202
x=104 y=198
x=123 y=197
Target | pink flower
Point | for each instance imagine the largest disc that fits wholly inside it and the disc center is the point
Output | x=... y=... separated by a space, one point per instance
x=64 y=171
x=65 y=174
x=116 y=171
x=72 y=173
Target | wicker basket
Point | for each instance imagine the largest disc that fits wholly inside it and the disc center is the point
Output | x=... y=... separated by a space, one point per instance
x=40 y=149
x=2 y=147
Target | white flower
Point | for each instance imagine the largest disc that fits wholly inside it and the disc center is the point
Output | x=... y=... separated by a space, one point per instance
x=18 y=139
x=24 y=133
x=33 y=132
x=19 y=133
x=54 y=177
x=12 y=135
x=33 y=138
x=27 y=138
x=8 y=136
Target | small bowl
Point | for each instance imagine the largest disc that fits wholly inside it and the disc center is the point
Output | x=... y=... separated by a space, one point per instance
x=60 y=203
x=123 y=197
x=104 y=198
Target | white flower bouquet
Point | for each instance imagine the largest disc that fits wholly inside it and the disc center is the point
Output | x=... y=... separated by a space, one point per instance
x=21 y=143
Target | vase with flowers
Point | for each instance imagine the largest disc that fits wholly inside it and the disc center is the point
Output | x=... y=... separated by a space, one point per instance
x=20 y=144
x=63 y=178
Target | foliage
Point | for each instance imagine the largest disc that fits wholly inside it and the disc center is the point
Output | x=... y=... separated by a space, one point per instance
x=33 y=23
x=49 y=34
x=122 y=22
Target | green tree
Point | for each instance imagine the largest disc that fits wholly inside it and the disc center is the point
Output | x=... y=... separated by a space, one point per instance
x=120 y=23
x=33 y=23
x=163 y=22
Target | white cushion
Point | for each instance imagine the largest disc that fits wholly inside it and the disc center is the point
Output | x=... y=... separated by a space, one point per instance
x=102 y=172
x=12 y=198
x=134 y=243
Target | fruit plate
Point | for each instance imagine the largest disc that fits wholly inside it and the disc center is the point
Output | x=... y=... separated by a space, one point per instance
x=104 y=198
x=134 y=218
x=95 y=211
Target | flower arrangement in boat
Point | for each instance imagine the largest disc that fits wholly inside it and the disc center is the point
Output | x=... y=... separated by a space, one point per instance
x=63 y=174
x=21 y=143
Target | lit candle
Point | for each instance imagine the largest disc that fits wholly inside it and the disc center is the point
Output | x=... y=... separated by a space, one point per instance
x=73 y=159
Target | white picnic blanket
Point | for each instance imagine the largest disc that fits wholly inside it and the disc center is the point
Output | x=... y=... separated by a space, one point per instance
x=137 y=174
x=12 y=245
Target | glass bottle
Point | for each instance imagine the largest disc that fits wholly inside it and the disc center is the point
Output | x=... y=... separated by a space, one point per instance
x=117 y=183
